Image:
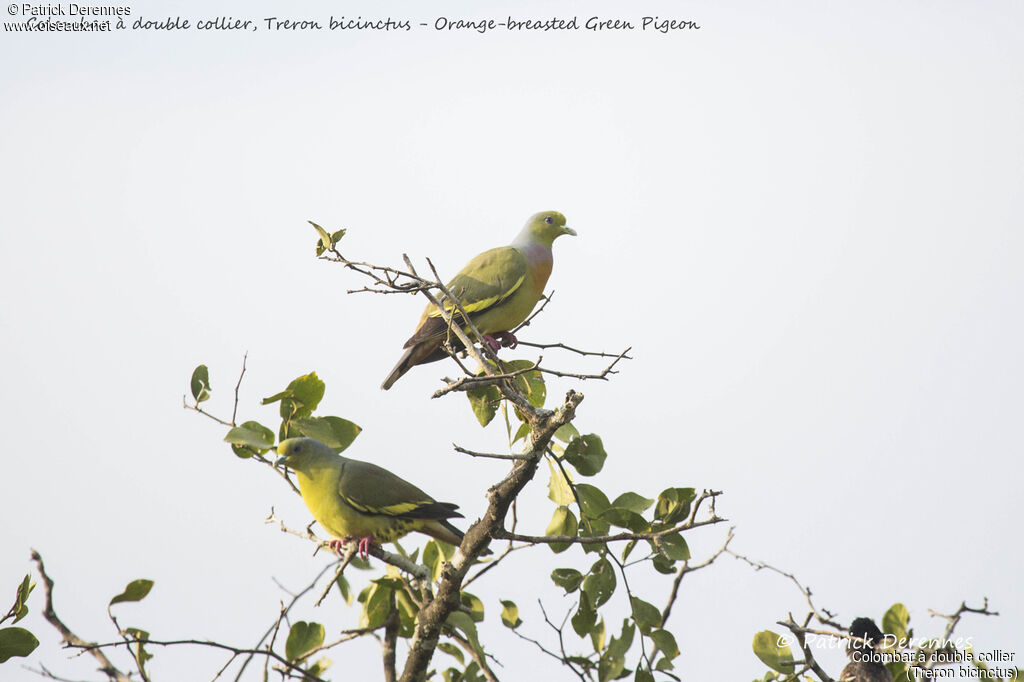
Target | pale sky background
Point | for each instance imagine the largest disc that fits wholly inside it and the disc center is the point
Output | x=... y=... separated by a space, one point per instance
x=804 y=217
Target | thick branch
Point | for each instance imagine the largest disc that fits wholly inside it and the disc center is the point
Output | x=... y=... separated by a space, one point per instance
x=433 y=616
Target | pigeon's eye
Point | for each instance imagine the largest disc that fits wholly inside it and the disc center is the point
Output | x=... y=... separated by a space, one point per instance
x=549 y=220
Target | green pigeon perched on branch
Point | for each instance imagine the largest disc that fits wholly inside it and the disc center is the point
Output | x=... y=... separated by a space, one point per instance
x=362 y=501
x=498 y=289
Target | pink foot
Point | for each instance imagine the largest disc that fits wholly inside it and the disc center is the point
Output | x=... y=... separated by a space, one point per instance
x=363 y=548
x=492 y=342
x=507 y=339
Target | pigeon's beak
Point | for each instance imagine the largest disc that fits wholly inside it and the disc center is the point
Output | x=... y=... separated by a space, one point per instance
x=568 y=230
x=281 y=461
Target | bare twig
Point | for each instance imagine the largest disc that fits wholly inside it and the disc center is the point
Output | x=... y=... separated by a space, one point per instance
x=234 y=411
x=350 y=554
x=687 y=568
x=824 y=616
x=578 y=351
x=490 y=455
x=69 y=637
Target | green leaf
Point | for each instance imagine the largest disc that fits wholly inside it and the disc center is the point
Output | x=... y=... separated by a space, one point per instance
x=895 y=621
x=521 y=432
x=585 y=618
x=462 y=621
x=16 y=642
x=566 y=433
x=613 y=660
x=325 y=242
x=530 y=384
x=321 y=665
x=345 y=589
x=662 y=564
x=593 y=501
x=563 y=522
x=559 y=491
x=569 y=579
x=136 y=590
x=200 y=384
x=510 y=614
x=633 y=502
x=475 y=606
x=334 y=432
x=646 y=615
x=628 y=549
x=376 y=599
x=597 y=636
x=21 y=596
x=623 y=518
x=453 y=651
x=600 y=583
x=300 y=398
x=139 y=645
x=674 y=505
x=773 y=652
x=484 y=401
x=675 y=547
x=586 y=454
x=250 y=438
x=643 y=675
x=302 y=639
x=666 y=643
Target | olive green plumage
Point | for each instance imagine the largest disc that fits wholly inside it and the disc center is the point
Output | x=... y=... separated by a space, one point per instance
x=498 y=289
x=353 y=499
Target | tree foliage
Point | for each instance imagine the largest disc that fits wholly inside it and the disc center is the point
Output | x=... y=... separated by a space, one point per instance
x=608 y=546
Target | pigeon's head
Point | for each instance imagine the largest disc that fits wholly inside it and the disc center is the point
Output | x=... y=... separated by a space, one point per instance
x=865 y=628
x=302 y=454
x=546 y=227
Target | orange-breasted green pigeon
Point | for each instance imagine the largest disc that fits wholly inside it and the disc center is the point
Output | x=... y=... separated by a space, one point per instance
x=498 y=289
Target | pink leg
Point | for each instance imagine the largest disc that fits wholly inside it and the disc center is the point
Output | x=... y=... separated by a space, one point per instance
x=336 y=545
x=364 y=546
x=508 y=339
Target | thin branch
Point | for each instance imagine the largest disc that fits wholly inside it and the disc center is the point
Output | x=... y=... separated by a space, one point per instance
x=490 y=455
x=603 y=375
x=687 y=568
x=544 y=346
x=234 y=412
x=272 y=630
x=481 y=661
x=238 y=651
x=809 y=662
x=196 y=408
x=826 y=619
x=398 y=561
x=655 y=536
x=69 y=637
x=350 y=554
x=953 y=620
x=470 y=383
